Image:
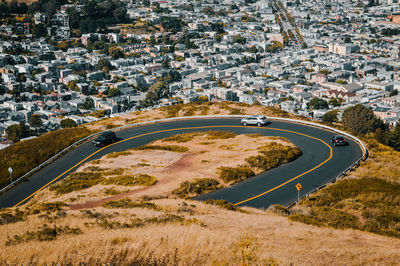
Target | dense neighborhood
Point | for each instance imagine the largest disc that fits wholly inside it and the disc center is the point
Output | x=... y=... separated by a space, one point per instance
x=65 y=64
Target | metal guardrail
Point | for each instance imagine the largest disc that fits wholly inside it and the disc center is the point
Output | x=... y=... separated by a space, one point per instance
x=72 y=146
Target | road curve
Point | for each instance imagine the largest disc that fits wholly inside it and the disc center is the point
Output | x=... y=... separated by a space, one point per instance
x=319 y=164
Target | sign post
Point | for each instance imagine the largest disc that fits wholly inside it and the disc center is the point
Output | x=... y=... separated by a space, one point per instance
x=298 y=187
x=10 y=170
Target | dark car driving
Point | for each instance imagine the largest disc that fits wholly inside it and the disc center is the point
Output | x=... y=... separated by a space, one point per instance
x=339 y=140
x=105 y=138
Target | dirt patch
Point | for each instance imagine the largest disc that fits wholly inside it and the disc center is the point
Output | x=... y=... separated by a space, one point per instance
x=184 y=163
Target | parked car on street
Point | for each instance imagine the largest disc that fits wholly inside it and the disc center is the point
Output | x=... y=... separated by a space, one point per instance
x=339 y=140
x=105 y=138
x=258 y=120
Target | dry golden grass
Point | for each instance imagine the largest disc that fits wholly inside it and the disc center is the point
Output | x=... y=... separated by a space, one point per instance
x=383 y=162
x=229 y=238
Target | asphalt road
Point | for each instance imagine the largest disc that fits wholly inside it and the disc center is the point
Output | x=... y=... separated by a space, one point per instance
x=314 y=143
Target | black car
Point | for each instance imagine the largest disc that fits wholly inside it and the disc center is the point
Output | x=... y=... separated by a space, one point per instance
x=105 y=138
x=339 y=140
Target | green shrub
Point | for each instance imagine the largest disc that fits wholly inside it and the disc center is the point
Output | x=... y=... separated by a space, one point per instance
x=186 y=137
x=77 y=181
x=131 y=180
x=235 y=174
x=26 y=155
x=44 y=234
x=165 y=218
x=50 y=206
x=112 y=191
x=273 y=155
x=173 y=148
x=196 y=187
x=212 y=134
x=220 y=134
x=127 y=203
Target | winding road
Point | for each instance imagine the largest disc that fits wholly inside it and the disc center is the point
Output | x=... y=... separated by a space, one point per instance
x=320 y=163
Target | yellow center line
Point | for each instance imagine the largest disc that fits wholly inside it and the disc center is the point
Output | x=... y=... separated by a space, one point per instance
x=176 y=129
x=296 y=177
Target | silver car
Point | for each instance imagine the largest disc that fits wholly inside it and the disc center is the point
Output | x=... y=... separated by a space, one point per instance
x=257 y=120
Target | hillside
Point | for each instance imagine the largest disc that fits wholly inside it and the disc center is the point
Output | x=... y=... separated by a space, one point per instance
x=132 y=207
x=135 y=207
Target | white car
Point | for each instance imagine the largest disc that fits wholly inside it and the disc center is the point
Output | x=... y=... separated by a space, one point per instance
x=258 y=120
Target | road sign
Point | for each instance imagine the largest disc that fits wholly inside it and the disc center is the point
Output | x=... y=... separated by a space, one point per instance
x=299 y=186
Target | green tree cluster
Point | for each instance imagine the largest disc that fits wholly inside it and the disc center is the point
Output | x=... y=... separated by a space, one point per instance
x=317 y=103
x=361 y=120
x=17 y=132
x=67 y=123
x=330 y=116
x=36 y=122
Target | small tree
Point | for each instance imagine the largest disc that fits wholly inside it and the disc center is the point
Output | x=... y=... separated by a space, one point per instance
x=67 y=123
x=112 y=92
x=36 y=122
x=335 y=102
x=317 y=103
x=17 y=132
x=104 y=65
x=361 y=119
x=330 y=116
x=88 y=103
x=394 y=93
x=115 y=52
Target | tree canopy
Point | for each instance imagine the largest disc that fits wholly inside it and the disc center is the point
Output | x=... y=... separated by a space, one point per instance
x=317 y=103
x=330 y=116
x=360 y=119
x=68 y=123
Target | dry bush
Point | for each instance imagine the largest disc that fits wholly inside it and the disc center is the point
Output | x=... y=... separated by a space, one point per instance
x=131 y=180
x=196 y=187
x=117 y=154
x=173 y=148
x=127 y=203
